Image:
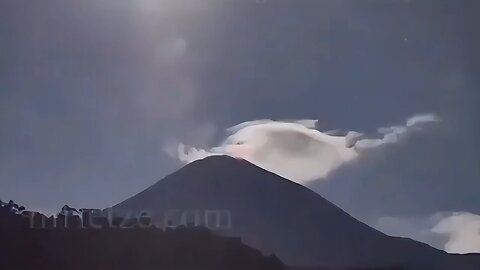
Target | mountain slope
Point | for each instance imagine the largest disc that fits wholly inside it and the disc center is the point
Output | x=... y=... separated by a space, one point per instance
x=276 y=215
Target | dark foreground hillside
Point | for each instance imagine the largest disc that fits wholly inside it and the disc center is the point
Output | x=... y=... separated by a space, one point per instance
x=22 y=247
x=30 y=240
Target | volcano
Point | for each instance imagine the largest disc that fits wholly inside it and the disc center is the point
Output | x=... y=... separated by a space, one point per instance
x=236 y=198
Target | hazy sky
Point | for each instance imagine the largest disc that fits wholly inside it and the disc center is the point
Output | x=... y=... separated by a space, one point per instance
x=92 y=91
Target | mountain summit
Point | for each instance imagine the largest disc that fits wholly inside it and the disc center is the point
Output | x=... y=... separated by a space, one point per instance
x=275 y=215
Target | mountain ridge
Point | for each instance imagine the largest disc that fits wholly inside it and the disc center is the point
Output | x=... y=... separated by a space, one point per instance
x=279 y=216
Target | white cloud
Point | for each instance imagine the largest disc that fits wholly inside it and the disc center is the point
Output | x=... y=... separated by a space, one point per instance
x=289 y=149
x=422 y=118
x=295 y=149
x=414 y=228
x=463 y=231
x=417 y=228
x=457 y=232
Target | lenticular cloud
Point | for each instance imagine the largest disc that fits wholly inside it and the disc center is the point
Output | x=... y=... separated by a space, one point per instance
x=296 y=149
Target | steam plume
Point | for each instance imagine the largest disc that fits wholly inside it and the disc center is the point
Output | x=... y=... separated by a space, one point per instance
x=296 y=149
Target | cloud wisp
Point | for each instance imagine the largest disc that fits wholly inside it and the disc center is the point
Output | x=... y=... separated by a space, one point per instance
x=296 y=150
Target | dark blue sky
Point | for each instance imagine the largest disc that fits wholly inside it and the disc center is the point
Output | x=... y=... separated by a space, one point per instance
x=90 y=91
